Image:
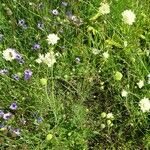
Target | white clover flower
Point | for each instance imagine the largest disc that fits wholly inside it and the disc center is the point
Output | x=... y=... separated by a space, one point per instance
x=9 y=54
x=145 y=104
x=110 y=116
x=95 y=51
x=106 y=55
x=104 y=8
x=140 y=84
x=52 y=39
x=128 y=17
x=124 y=93
x=48 y=59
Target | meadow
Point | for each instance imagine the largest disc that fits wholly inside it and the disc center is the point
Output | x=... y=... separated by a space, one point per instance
x=74 y=75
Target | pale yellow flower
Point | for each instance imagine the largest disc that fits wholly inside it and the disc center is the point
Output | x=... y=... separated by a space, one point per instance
x=128 y=17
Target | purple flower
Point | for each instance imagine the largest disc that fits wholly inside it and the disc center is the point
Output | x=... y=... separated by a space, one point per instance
x=39 y=119
x=13 y=106
x=19 y=58
x=15 y=76
x=3 y=71
x=16 y=131
x=7 y=116
x=1 y=113
x=27 y=74
x=55 y=12
x=36 y=46
x=21 y=22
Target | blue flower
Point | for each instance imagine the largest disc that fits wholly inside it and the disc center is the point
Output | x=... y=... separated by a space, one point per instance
x=15 y=76
x=36 y=46
x=3 y=71
x=7 y=116
x=27 y=74
x=13 y=106
x=1 y=113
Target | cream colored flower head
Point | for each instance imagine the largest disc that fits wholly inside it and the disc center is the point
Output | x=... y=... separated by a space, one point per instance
x=52 y=39
x=104 y=8
x=106 y=55
x=145 y=104
x=140 y=84
x=128 y=17
x=110 y=116
x=124 y=93
x=48 y=59
x=9 y=54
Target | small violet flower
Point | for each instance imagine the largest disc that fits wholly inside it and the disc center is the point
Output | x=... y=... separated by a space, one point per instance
x=40 y=25
x=1 y=113
x=16 y=77
x=16 y=131
x=27 y=74
x=36 y=46
x=7 y=116
x=3 y=71
x=13 y=106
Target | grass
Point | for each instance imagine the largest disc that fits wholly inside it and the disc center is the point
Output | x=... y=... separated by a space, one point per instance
x=80 y=85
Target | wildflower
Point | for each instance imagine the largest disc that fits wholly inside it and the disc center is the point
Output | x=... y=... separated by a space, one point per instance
x=40 y=25
x=9 y=54
x=95 y=51
x=128 y=17
x=104 y=8
x=144 y=104
x=3 y=71
x=36 y=46
x=49 y=137
x=118 y=75
x=52 y=38
x=27 y=74
x=43 y=81
x=110 y=116
x=109 y=122
x=103 y=114
x=15 y=76
x=21 y=22
x=48 y=59
x=64 y=4
x=124 y=93
x=105 y=55
x=1 y=113
x=39 y=119
x=19 y=58
x=77 y=60
x=16 y=131
x=40 y=59
x=7 y=116
x=140 y=84
x=55 y=12
x=103 y=126
x=13 y=106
